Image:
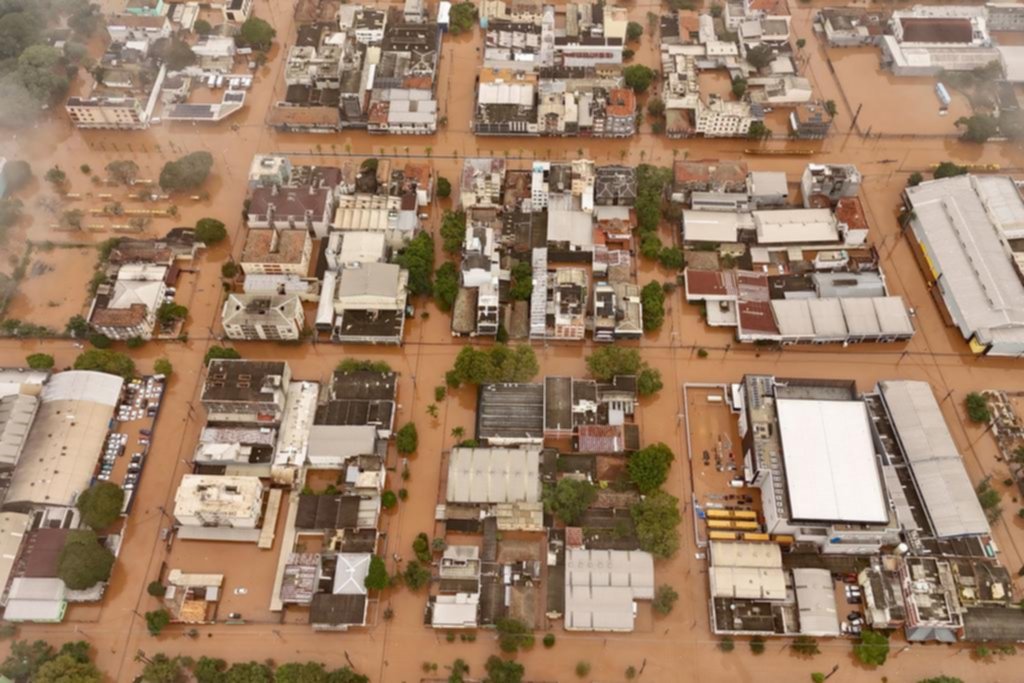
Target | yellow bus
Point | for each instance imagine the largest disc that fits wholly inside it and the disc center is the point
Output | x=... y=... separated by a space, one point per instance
x=722 y=535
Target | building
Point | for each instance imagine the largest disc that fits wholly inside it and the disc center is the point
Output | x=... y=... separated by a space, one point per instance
x=256 y=317
x=828 y=183
x=851 y=26
x=145 y=8
x=245 y=392
x=219 y=508
x=708 y=175
x=768 y=189
x=481 y=183
x=128 y=308
x=116 y=108
x=457 y=604
x=360 y=398
x=510 y=414
x=346 y=605
x=926 y=40
x=277 y=252
x=499 y=482
x=235 y=11
x=602 y=588
x=370 y=304
x=810 y=121
x=36 y=600
x=306 y=208
x=796 y=437
x=58 y=459
x=967 y=235
x=923 y=440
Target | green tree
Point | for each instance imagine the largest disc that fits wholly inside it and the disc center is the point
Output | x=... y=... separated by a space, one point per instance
x=499 y=363
x=941 y=679
x=39 y=361
x=216 y=352
x=18 y=30
x=100 y=504
x=10 y=212
x=503 y=670
x=20 y=108
x=186 y=173
x=202 y=27
x=444 y=187
x=388 y=500
x=461 y=18
x=817 y=677
x=652 y=299
x=56 y=176
x=760 y=56
x=664 y=599
x=446 y=286
x=209 y=670
x=873 y=648
x=656 y=518
x=739 y=87
x=757 y=645
x=582 y=669
x=157 y=620
x=104 y=360
x=170 y=312
x=805 y=645
x=569 y=499
x=915 y=179
x=638 y=77
x=66 y=669
x=671 y=258
x=210 y=231
x=453 y=231
x=758 y=131
x=656 y=107
x=156 y=589
x=947 y=169
x=301 y=672
x=977 y=407
x=513 y=635
x=978 y=128
x=377 y=575
x=176 y=53
x=407 y=440
x=25 y=658
x=100 y=341
x=123 y=171
x=421 y=546
x=416 y=576
x=608 y=361
x=162 y=366
x=229 y=270
x=40 y=71
x=648 y=467
x=163 y=669
x=800 y=43
x=633 y=31
x=77 y=327
x=989 y=500
x=347 y=675
x=16 y=173
x=350 y=365
x=726 y=644
x=830 y=108
x=549 y=640
x=648 y=382
x=78 y=650
x=418 y=259
x=83 y=562
x=248 y=672
x=522 y=281
x=256 y=33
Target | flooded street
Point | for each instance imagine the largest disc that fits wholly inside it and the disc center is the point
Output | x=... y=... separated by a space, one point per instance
x=676 y=648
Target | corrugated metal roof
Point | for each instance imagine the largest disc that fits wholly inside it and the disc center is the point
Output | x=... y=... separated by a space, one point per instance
x=949 y=498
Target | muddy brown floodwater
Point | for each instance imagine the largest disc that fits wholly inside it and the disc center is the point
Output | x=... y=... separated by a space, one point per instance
x=678 y=647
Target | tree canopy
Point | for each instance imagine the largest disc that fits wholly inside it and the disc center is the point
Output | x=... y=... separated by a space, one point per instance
x=638 y=77
x=873 y=648
x=105 y=360
x=977 y=407
x=210 y=231
x=569 y=499
x=513 y=635
x=648 y=467
x=83 y=562
x=256 y=33
x=948 y=169
x=418 y=258
x=406 y=440
x=25 y=658
x=656 y=518
x=444 y=187
x=39 y=361
x=377 y=576
x=41 y=72
x=503 y=670
x=453 y=231
x=978 y=128
x=498 y=363
x=522 y=281
x=162 y=669
x=461 y=18
x=216 y=352
x=348 y=365
x=186 y=173
x=446 y=286
x=760 y=56
x=652 y=299
x=100 y=504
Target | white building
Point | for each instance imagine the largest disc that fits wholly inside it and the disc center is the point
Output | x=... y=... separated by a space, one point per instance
x=128 y=308
x=254 y=317
x=602 y=588
x=220 y=508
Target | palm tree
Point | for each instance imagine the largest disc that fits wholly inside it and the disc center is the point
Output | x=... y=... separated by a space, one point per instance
x=432 y=410
x=458 y=433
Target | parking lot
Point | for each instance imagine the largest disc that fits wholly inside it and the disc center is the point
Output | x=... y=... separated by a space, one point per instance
x=128 y=441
